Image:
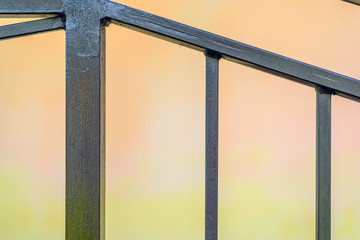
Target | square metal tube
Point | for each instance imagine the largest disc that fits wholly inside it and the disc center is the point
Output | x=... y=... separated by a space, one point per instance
x=323 y=164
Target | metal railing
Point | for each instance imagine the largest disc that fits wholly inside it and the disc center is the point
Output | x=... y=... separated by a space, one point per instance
x=85 y=22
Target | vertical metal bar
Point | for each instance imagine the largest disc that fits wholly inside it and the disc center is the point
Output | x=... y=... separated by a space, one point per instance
x=323 y=164
x=85 y=120
x=211 y=188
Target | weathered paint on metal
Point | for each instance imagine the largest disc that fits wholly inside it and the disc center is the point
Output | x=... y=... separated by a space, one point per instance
x=323 y=164
x=85 y=120
x=211 y=153
x=28 y=28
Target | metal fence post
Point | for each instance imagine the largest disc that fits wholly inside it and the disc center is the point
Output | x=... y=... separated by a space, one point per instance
x=211 y=171
x=323 y=164
x=85 y=120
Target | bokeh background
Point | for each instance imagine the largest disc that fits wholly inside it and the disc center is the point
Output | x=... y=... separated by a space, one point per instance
x=155 y=127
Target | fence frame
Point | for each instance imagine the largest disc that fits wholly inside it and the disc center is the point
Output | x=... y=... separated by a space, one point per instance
x=85 y=22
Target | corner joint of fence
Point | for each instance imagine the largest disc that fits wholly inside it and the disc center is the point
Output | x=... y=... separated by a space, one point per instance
x=325 y=90
x=212 y=54
x=105 y=21
x=63 y=18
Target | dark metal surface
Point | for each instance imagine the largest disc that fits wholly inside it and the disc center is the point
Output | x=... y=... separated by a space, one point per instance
x=211 y=174
x=85 y=120
x=27 y=28
x=232 y=50
x=26 y=8
x=357 y=2
x=323 y=164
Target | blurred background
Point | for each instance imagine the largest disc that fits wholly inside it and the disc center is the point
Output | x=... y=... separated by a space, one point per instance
x=155 y=127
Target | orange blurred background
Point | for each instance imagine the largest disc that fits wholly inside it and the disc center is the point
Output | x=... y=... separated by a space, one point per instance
x=155 y=127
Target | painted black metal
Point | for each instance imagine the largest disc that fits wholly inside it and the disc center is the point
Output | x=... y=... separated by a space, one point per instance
x=27 y=28
x=357 y=2
x=85 y=99
x=211 y=153
x=232 y=50
x=85 y=120
x=323 y=164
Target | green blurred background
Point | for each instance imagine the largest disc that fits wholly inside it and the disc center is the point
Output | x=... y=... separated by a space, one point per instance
x=155 y=127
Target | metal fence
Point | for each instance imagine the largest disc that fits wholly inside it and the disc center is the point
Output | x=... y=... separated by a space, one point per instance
x=85 y=22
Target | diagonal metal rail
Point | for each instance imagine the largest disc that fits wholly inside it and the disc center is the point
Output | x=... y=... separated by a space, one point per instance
x=28 y=28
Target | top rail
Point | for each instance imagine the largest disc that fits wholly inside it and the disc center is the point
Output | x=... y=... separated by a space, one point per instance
x=232 y=50
x=200 y=40
x=30 y=8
